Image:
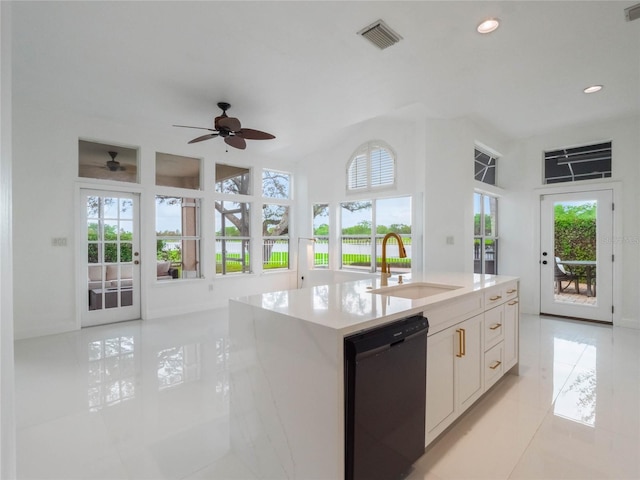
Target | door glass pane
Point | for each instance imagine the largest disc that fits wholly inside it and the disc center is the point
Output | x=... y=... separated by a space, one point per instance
x=126 y=209
x=126 y=230
x=93 y=207
x=110 y=252
x=575 y=248
x=110 y=247
x=110 y=208
x=126 y=252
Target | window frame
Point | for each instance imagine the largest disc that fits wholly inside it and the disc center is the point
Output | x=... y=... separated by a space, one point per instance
x=375 y=239
x=578 y=156
x=268 y=241
x=221 y=240
x=480 y=254
x=366 y=150
x=195 y=202
x=486 y=166
x=321 y=258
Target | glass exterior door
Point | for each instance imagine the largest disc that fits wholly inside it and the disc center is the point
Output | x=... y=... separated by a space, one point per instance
x=110 y=258
x=576 y=258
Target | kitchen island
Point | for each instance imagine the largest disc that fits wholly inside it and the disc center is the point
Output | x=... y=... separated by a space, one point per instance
x=287 y=361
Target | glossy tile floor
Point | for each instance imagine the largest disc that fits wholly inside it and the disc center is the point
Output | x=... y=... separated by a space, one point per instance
x=149 y=400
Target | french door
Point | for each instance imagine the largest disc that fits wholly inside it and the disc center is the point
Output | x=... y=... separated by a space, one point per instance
x=110 y=258
x=576 y=257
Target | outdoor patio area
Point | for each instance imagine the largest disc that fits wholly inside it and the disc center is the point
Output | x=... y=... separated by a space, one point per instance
x=569 y=295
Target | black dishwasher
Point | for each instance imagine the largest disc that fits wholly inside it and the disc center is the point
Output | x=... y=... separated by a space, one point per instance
x=385 y=394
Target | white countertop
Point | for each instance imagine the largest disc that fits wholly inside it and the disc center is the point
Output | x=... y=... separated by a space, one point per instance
x=351 y=306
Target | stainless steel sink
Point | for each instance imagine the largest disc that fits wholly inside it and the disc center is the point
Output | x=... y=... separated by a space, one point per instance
x=415 y=291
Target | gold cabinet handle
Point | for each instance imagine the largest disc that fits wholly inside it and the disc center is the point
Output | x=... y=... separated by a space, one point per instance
x=495 y=365
x=461 y=343
x=497 y=297
x=495 y=326
x=464 y=342
x=511 y=304
x=513 y=290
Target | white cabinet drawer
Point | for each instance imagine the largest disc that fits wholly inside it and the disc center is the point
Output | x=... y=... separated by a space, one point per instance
x=493 y=365
x=493 y=326
x=498 y=295
x=510 y=291
x=493 y=297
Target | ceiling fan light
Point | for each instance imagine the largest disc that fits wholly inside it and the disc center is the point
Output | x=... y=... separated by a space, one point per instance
x=592 y=89
x=488 y=25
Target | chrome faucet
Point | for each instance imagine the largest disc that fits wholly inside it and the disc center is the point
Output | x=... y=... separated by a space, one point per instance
x=386 y=270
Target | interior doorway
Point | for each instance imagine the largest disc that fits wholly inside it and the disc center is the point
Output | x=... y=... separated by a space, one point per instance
x=576 y=257
x=110 y=257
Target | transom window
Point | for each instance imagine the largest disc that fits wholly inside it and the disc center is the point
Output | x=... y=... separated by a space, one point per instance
x=485 y=167
x=578 y=163
x=372 y=166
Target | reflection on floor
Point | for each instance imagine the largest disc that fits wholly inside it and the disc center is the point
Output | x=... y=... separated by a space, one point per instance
x=150 y=400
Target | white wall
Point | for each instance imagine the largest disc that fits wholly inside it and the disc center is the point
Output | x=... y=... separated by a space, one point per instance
x=434 y=164
x=7 y=417
x=45 y=200
x=520 y=229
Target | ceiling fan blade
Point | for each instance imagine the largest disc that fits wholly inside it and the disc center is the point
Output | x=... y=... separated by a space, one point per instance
x=251 y=134
x=236 y=142
x=204 y=137
x=231 y=123
x=199 y=128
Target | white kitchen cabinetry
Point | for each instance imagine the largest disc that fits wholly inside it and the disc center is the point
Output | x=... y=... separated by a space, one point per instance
x=454 y=373
x=465 y=359
x=511 y=333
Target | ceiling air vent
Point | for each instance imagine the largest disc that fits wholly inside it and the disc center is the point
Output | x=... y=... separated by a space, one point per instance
x=632 y=13
x=380 y=35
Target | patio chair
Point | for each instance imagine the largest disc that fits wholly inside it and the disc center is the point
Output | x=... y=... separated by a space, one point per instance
x=561 y=275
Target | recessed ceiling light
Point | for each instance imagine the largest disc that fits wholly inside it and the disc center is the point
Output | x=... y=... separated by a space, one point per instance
x=489 y=25
x=593 y=89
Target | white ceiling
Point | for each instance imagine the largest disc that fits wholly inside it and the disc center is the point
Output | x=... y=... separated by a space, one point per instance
x=298 y=69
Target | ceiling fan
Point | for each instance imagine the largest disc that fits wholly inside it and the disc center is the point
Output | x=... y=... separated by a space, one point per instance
x=230 y=129
x=113 y=165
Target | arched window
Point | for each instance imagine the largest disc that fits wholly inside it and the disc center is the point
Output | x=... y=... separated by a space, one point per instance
x=372 y=166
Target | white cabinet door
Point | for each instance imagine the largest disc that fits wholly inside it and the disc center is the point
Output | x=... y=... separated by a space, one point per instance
x=441 y=356
x=454 y=374
x=470 y=362
x=511 y=335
